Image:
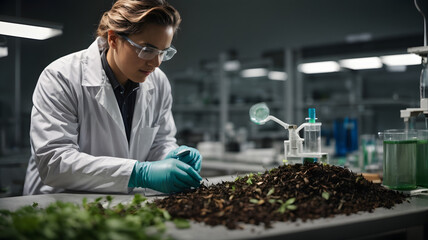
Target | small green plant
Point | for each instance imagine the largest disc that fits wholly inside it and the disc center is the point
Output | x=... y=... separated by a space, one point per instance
x=250 y=179
x=253 y=200
x=287 y=205
x=92 y=220
x=359 y=178
x=271 y=191
x=325 y=195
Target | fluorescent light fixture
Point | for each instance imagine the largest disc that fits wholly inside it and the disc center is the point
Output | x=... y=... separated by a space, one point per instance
x=232 y=65
x=359 y=37
x=277 y=75
x=3 y=51
x=28 y=31
x=401 y=60
x=319 y=67
x=254 y=72
x=398 y=68
x=361 y=63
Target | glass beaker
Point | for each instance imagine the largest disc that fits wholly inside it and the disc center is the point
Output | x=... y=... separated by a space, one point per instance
x=422 y=159
x=368 y=159
x=399 y=158
x=259 y=112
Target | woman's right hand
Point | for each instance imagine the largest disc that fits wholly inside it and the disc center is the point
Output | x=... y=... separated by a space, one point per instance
x=168 y=176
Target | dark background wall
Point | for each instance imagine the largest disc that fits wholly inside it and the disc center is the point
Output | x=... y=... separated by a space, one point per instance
x=250 y=27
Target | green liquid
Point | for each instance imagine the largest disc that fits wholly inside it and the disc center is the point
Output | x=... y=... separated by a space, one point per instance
x=422 y=163
x=399 y=164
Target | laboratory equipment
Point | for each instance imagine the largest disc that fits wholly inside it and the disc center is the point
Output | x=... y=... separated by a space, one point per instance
x=409 y=113
x=368 y=157
x=346 y=136
x=399 y=161
x=296 y=149
x=422 y=159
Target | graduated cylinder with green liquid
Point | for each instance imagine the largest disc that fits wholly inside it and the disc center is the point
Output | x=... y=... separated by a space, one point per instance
x=399 y=161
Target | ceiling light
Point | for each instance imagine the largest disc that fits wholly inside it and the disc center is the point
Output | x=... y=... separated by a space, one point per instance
x=401 y=60
x=28 y=31
x=232 y=65
x=359 y=37
x=3 y=51
x=398 y=68
x=361 y=63
x=319 y=67
x=277 y=75
x=254 y=72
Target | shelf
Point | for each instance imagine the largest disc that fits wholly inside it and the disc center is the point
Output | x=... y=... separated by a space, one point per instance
x=216 y=108
x=367 y=102
x=193 y=108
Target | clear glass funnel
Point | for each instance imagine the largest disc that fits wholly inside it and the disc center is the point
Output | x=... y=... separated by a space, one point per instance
x=259 y=113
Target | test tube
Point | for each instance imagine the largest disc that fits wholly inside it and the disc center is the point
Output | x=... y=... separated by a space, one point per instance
x=312 y=134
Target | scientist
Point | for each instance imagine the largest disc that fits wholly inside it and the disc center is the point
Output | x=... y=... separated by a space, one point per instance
x=101 y=118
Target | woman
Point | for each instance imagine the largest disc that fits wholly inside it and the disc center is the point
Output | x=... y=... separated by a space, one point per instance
x=101 y=118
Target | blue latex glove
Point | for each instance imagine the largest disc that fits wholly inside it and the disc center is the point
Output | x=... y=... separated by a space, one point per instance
x=169 y=175
x=187 y=155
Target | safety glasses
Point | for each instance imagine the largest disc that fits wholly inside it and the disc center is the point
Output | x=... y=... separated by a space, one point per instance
x=148 y=53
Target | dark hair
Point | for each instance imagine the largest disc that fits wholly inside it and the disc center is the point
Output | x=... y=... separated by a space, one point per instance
x=130 y=16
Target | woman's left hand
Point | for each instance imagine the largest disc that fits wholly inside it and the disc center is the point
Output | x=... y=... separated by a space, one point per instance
x=187 y=155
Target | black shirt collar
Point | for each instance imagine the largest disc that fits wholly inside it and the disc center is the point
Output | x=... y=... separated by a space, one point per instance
x=130 y=85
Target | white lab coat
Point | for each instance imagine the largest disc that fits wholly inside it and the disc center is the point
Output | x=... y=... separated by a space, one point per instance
x=78 y=138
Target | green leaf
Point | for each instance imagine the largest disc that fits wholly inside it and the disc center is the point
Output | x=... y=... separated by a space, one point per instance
x=253 y=200
x=138 y=199
x=325 y=195
x=64 y=220
x=271 y=191
x=249 y=181
x=272 y=201
x=181 y=223
x=282 y=208
x=35 y=204
x=290 y=201
x=166 y=214
x=291 y=207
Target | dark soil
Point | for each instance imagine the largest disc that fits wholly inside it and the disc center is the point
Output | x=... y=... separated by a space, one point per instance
x=286 y=193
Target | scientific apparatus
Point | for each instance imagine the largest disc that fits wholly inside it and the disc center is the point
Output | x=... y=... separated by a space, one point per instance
x=408 y=113
x=296 y=149
x=399 y=159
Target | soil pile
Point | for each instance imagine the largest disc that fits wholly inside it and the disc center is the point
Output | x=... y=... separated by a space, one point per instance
x=287 y=193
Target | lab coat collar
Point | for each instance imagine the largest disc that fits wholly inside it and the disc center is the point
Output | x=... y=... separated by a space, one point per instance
x=93 y=71
x=91 y=64
x=93 y=76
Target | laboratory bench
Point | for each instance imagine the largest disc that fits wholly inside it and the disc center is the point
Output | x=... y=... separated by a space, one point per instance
x=408 y=220
x=13 y=166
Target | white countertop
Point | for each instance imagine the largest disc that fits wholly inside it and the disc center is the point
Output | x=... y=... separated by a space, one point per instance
x=408 y=215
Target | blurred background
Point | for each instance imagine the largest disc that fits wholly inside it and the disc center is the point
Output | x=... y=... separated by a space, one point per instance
x=231 y=55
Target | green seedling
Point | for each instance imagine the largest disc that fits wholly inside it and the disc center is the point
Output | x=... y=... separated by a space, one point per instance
x=288 y=205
